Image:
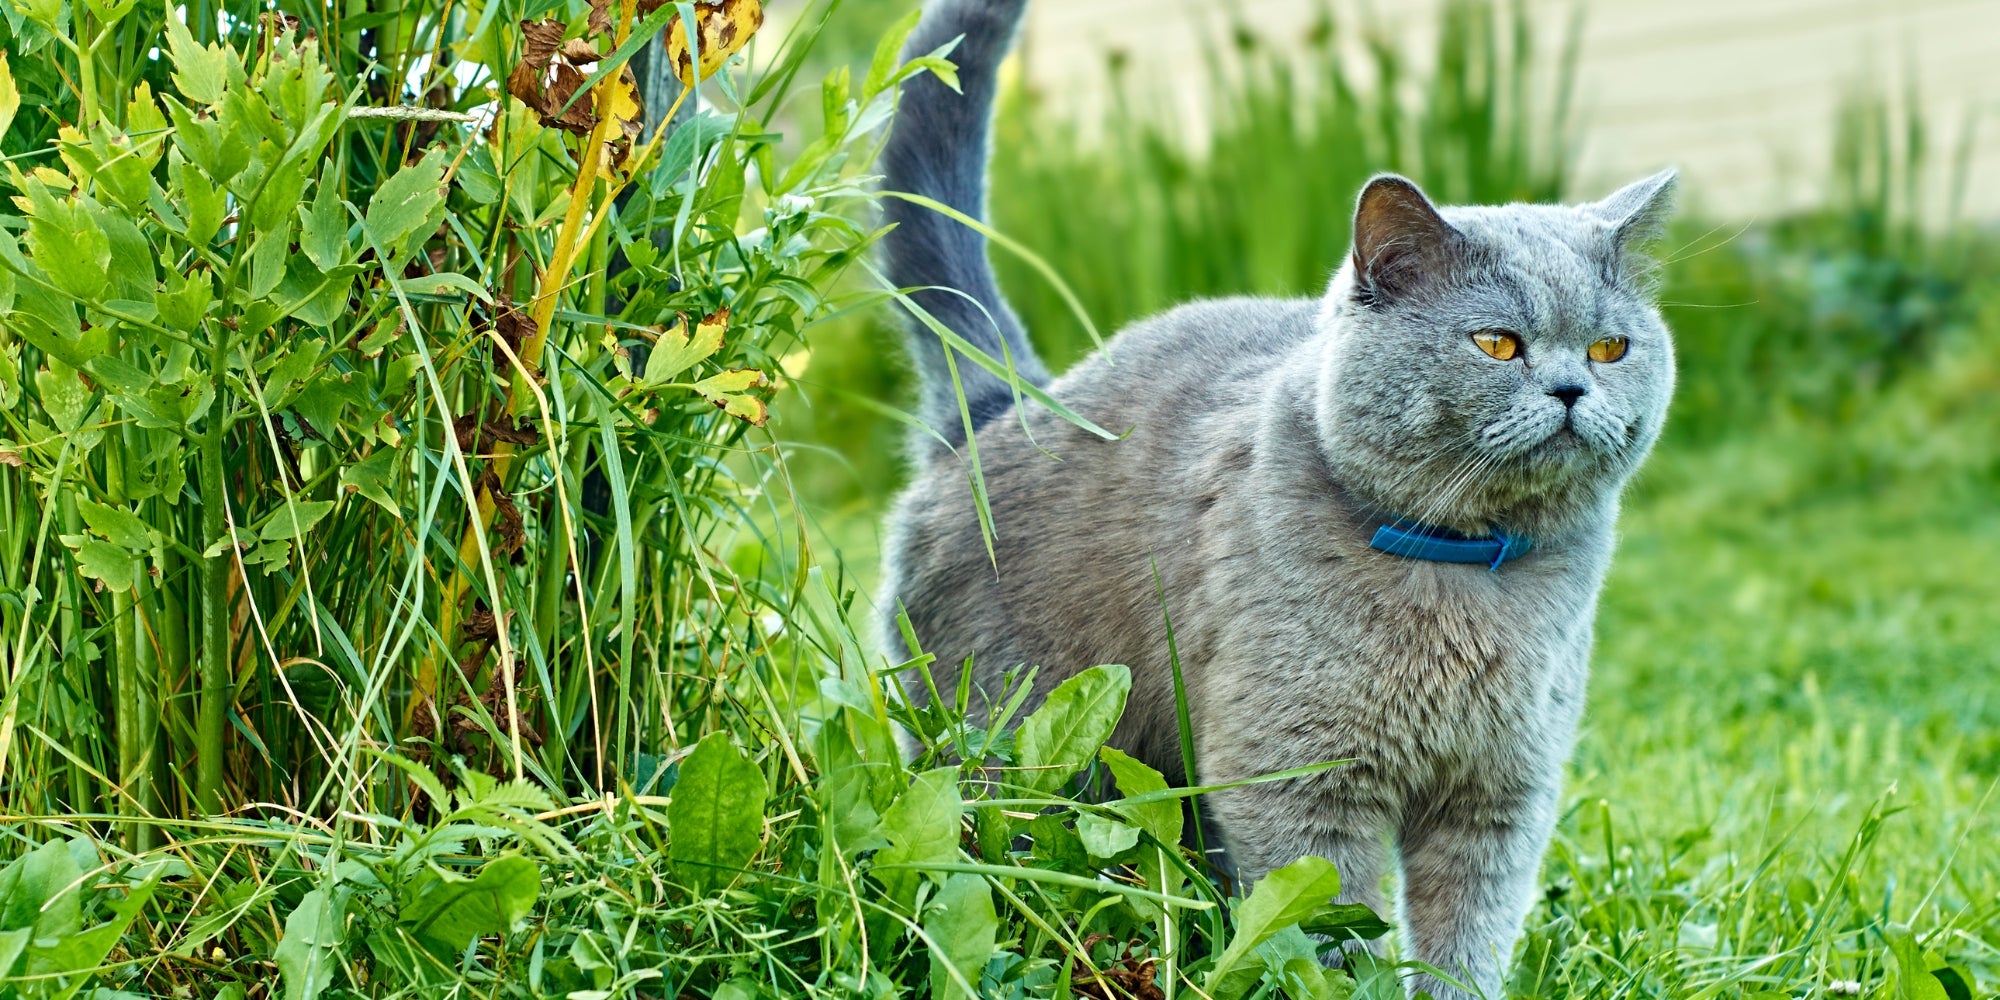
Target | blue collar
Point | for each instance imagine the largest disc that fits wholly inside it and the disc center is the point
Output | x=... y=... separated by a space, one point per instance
x=1420 y=541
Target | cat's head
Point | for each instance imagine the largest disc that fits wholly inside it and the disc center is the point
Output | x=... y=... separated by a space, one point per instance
x=1495 y=366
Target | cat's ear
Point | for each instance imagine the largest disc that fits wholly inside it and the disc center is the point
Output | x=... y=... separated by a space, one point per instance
x=1400 y=242
x=1638 y=214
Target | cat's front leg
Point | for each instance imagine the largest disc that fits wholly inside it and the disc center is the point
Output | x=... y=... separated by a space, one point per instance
x=1469 y=876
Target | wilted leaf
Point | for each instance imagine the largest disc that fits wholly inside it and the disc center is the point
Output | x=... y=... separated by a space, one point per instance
x=726 y=390
x=548 y=76
x=722 y=30
x=10 y=96
x=676 y=351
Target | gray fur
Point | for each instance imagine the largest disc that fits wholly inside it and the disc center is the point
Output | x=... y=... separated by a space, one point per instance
x=1268 y=438
x=937 y=149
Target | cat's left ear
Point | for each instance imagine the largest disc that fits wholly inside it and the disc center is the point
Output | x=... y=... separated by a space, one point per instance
x=1638 y=214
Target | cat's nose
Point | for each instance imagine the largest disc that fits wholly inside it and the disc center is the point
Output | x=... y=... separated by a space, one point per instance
x=1569 y=394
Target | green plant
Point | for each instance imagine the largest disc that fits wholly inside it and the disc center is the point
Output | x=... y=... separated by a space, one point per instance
x=287 y=471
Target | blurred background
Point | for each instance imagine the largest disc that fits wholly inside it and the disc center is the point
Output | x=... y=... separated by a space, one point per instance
x=1802 y=631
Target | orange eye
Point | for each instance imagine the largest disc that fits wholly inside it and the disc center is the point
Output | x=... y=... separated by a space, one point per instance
x=1609 y=349
x=1498 y=343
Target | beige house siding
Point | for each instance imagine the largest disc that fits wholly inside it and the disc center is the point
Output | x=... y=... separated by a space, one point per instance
x=1740 y=94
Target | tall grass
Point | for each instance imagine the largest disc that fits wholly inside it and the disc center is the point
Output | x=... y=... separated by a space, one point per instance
x=1143 y=209
x=303 y=404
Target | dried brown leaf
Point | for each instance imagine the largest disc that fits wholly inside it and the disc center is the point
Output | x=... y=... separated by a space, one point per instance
x=723 y=28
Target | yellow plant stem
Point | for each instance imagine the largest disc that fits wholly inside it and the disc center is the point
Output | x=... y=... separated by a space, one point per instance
x=574 y=234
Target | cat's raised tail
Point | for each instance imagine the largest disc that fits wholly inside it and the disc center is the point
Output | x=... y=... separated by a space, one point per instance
x=937 y=150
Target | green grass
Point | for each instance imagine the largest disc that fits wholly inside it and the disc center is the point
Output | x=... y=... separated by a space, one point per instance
x=1798 y=635
x=216 y=784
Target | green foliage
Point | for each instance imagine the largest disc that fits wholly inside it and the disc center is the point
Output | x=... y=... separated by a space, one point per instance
x=47 y=948
x=1073 y=722
x=1280 y=899
x=400 y=594
x=716 y=820
x=1143 y=210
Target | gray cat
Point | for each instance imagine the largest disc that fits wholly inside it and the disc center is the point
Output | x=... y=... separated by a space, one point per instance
x=1380 y=519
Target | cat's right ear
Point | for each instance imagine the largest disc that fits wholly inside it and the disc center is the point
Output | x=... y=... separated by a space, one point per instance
x=1401 y=244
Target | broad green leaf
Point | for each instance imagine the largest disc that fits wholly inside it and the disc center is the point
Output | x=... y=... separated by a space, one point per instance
x=1105 y=838
x=184 y=300
x=122 y=527
x=405 y=200
x=716 y=817
x=1914 y=980
x=67 y=401
x=47 y=13
x=294 y=519
x=67 y=244
x=112 y=11
x=922 y=825
x=100 y=560
x=201 y=72
x=268 y=256
x=1162 y=819
x=1279 y=900
x=1061 y=736
x=307 y=956
x=1345 y=921
x=41 y=891
x=372 y=476
x=146 y=124
x=326 y=398
x=12 y=944
x=76 y=957
x=453 y=911
x=204 y=201
x=131 y=262
x=962 y=925
x=323 y=225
